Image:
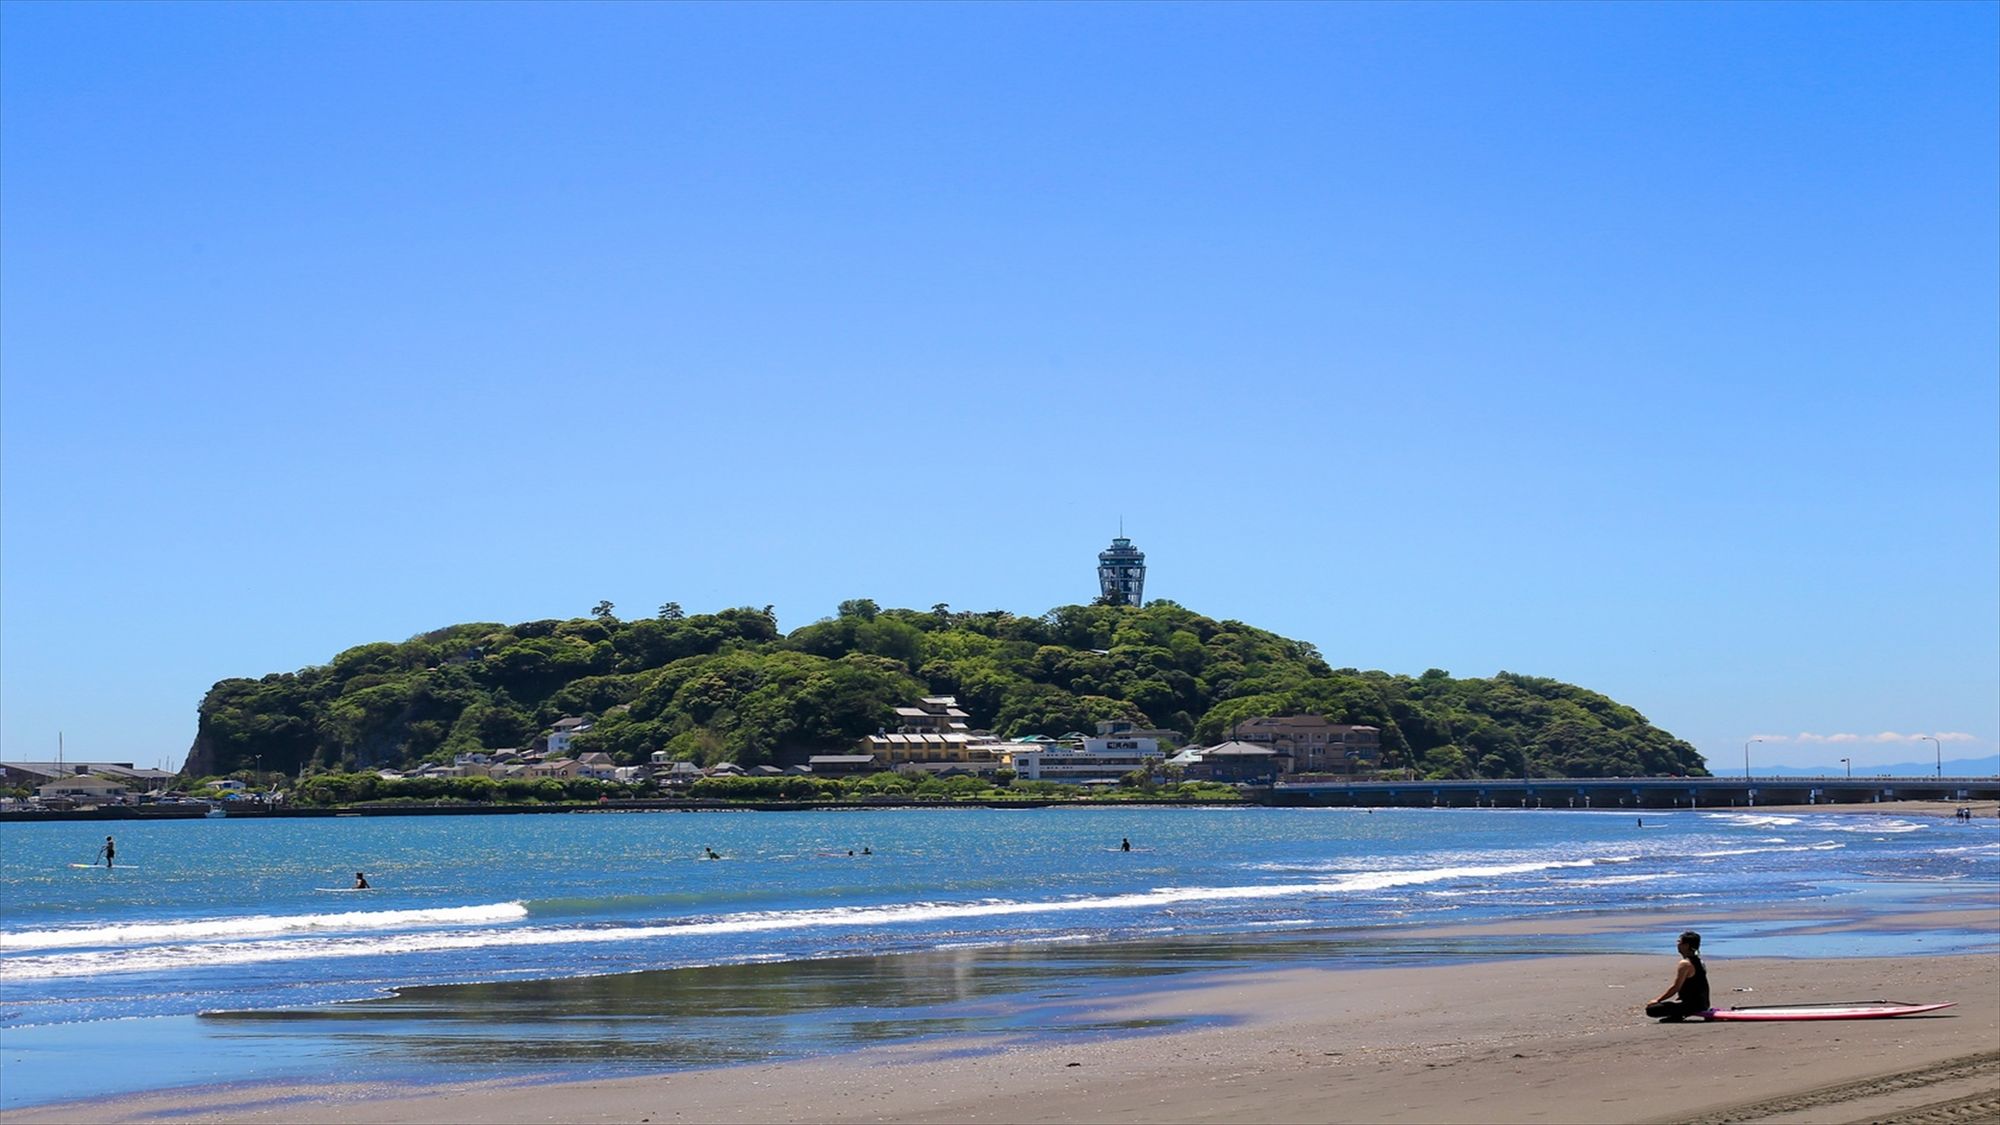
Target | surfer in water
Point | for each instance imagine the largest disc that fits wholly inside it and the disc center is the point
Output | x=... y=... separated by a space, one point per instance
x=1690 y=987
x=109 y=851
x=360 y=882
x=711 y=853
x=1125 y=843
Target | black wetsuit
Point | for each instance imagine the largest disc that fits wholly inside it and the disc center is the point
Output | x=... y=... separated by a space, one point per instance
x=1692 y=1000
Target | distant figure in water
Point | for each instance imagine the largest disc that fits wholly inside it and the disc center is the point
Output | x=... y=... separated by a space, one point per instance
x=360 y=881
x=711 y=852
x=866 y=850
x=109 y=851
x=1125 y=844
x=1642 y=822
x=1690 y=987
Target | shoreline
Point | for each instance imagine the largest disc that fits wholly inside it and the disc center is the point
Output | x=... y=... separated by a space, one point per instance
x=624 y=805
x=1983 y=809
x=1551 y=1038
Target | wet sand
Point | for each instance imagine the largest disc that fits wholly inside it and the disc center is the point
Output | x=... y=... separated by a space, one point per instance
x=1542 y=1039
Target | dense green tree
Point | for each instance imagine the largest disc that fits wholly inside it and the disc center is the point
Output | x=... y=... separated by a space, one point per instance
x=727 y=686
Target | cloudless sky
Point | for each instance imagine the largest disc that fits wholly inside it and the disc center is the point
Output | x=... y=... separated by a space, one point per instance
x=1649 y=347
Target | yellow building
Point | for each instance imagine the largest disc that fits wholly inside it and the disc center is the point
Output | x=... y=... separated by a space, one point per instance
x=931 y=736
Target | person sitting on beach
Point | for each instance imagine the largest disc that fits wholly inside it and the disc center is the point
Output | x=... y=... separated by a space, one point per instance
x=1690 y=987
x=360 y=882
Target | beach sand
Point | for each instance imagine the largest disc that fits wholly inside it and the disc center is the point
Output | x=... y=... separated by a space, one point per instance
x=1981 y=810
x=1530 y=1039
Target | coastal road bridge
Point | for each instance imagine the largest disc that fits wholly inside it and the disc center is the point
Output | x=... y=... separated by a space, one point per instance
x=1629 y=792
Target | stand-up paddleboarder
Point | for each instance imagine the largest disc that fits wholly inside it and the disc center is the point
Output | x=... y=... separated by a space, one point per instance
x=1690 y=987
x=109 y=851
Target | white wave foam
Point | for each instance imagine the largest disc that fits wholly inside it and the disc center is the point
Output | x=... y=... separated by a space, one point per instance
x=182 y=955
x=1753 y=820
x=258 y=925
x=1380 y=880
x=1822 y=846
x=1444 y=860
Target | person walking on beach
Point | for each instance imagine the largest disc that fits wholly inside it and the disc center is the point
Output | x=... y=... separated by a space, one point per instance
x=360 y=882
x=109 y=851
x=1690 y=987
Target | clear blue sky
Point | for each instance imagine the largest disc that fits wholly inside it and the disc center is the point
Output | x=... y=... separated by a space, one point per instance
x=1649 y=347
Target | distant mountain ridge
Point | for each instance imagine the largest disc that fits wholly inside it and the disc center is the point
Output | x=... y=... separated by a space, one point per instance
x=1988 y=766
x=729 y=686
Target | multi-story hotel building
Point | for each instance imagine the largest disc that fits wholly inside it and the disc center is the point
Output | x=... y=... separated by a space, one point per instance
x=931 y=736
x=1314 y=744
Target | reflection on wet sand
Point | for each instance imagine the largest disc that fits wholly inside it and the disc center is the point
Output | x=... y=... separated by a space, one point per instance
x=996 y=996
x=716 y=1015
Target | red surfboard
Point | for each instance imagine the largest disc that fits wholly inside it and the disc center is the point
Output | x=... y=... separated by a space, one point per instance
x=1863 y=1010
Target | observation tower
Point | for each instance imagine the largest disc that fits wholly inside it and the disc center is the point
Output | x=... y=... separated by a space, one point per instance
x=1121 y=572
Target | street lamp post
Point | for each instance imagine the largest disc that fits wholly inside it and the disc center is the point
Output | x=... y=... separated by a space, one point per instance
x=1746 y=758
x=1849 y=763
x=1940 y=752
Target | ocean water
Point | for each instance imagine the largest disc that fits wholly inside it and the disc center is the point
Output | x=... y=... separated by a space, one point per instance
x=241 y=935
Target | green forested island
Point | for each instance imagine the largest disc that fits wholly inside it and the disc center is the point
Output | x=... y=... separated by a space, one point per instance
x=728 y=686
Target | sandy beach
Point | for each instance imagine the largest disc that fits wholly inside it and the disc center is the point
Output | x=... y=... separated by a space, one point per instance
x=1981 y=810
x=1533 y=1039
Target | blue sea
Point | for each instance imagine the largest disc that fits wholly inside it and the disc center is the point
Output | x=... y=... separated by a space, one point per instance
x=234 y=950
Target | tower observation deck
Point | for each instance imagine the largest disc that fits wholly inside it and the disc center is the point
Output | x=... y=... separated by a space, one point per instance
x=1121 y=573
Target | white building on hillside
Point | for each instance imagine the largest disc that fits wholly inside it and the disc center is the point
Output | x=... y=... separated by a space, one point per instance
x=561 y=733
x=1100 y=759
